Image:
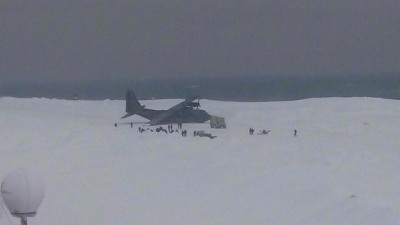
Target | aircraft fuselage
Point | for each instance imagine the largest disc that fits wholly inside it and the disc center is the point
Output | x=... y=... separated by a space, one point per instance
x=184 y=112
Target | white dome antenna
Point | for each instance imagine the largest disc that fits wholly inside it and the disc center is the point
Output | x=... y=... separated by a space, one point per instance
x=23 y=192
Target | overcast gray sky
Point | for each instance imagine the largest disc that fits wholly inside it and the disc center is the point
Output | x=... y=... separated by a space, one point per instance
x=95 y=39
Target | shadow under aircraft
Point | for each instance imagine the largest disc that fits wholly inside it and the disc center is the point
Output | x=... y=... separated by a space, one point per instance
x=185 y=112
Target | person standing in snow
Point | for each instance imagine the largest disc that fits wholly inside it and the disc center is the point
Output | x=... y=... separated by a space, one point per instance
x=295 y=132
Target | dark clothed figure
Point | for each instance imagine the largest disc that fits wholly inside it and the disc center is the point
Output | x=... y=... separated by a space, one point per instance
x=251 y=131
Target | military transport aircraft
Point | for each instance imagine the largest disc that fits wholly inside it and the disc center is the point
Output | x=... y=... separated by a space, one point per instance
x=185 y=112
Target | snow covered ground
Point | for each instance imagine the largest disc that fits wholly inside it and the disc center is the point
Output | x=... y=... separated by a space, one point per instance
x=343 y=168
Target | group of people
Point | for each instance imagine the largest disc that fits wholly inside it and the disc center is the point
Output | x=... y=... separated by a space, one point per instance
x=184 y=133
x=171 y=128
x=162 y=129
x=179 y=125
x=251 y=132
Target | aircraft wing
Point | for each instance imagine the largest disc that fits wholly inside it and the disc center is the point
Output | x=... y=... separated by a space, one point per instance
x=126 y=115
x=171 y=111
x=183 y=104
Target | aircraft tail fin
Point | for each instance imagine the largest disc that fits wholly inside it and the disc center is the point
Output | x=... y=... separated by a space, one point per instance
x=132 y=103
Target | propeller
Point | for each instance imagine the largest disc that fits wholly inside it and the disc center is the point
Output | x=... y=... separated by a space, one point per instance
x=195 y=104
